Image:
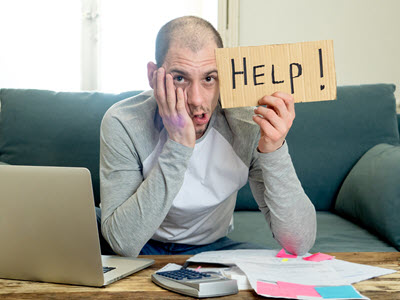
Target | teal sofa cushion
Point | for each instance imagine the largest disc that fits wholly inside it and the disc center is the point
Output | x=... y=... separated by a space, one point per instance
x=334 y=234
x=370 y=195
x=47 y=128
x=328 y=138
x=398 y=121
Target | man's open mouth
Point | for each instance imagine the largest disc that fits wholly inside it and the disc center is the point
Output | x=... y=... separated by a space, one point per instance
x=200 y=116
x=200 y=119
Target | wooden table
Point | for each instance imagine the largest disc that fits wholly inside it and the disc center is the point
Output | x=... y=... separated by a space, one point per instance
x=139 y=285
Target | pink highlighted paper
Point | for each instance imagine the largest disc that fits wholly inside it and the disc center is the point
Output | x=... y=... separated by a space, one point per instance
x=318 y=257
x=286 y=289
x=294 y=290
x=283 y=254
x=270 y=289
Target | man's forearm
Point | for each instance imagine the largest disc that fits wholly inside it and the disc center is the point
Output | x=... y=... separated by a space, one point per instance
x=133 y=208
x=289 y=211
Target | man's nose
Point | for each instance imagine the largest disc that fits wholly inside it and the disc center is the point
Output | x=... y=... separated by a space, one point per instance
x=194 y=94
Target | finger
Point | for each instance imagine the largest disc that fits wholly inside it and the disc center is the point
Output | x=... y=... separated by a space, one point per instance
x=272 y=117
x=288 y=99
x=275 y=103
x=186 y=102
x=160 y=87
x=265 y=126
x=180 y=102
x=171 y=93
x=153 y=80
x=155 y=88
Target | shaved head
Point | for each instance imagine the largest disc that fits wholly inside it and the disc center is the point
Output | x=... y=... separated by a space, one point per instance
x=186 y=32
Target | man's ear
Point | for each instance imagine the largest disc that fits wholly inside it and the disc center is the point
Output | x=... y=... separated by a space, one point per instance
x=151 y=67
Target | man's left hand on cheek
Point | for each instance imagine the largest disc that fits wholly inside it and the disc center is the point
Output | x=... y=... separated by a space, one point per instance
x=274 y=120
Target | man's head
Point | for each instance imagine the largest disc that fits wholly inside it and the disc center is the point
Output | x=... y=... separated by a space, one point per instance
x=185 y=48
x=191 y=32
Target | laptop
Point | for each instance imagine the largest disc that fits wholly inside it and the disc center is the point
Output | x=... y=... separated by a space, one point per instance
x=48 y=229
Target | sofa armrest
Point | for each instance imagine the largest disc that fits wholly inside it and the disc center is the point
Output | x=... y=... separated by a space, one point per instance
x=3 y=163
x=370 y=194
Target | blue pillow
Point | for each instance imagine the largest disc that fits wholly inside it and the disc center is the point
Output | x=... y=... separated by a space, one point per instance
x=370 y=194
x=47 y=128
x=328 y=138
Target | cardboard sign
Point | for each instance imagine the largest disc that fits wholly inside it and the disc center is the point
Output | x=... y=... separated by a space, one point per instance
x=305 y=70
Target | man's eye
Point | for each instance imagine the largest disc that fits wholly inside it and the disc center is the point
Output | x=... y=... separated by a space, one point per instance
x=209 y=79
x=179 y=79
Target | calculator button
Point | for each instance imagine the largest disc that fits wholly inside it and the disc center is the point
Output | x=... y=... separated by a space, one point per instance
x=183 y=273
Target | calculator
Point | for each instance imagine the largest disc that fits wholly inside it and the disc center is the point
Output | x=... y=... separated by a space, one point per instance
x=195 y=284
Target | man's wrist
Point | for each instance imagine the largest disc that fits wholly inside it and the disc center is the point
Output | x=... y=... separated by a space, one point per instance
x=259 y=151
x=185 y=152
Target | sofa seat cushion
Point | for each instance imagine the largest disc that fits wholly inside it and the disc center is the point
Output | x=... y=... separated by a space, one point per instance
x=370 y=195
x=334 y=233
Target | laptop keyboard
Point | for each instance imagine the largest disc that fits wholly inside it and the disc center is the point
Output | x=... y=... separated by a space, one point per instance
x=107 y=269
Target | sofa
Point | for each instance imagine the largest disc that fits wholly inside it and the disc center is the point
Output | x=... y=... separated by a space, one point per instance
x=346 y=154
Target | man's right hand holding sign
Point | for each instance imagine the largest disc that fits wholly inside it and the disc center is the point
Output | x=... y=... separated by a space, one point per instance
x=277 y=118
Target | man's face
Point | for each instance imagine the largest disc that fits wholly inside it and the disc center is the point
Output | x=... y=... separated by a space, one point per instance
x=196 y=73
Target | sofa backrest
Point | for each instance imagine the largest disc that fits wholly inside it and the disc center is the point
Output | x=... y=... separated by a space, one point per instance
x=398 y=121
x=328 y=138
x=46 y=128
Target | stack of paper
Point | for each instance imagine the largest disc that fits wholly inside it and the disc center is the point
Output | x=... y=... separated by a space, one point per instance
x=278 y=274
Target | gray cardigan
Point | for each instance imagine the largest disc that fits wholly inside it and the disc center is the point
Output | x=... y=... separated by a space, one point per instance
x=153 y=187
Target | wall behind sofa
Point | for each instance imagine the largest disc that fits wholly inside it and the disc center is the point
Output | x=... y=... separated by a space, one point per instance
x=366 y=33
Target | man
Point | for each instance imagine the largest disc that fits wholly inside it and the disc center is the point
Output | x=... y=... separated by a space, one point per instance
x=172 y=160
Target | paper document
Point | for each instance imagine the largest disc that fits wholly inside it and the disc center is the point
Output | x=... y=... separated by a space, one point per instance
x=230 y=257
x=273 y=273
x=349 y=272
x=170 y=267
x=239 y=275
x=310 y=273
x=353 y=272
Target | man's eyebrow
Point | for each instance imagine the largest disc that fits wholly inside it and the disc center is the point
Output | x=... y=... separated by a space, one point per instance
x=178 y=71
x=186 y=74
x=210 y=72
